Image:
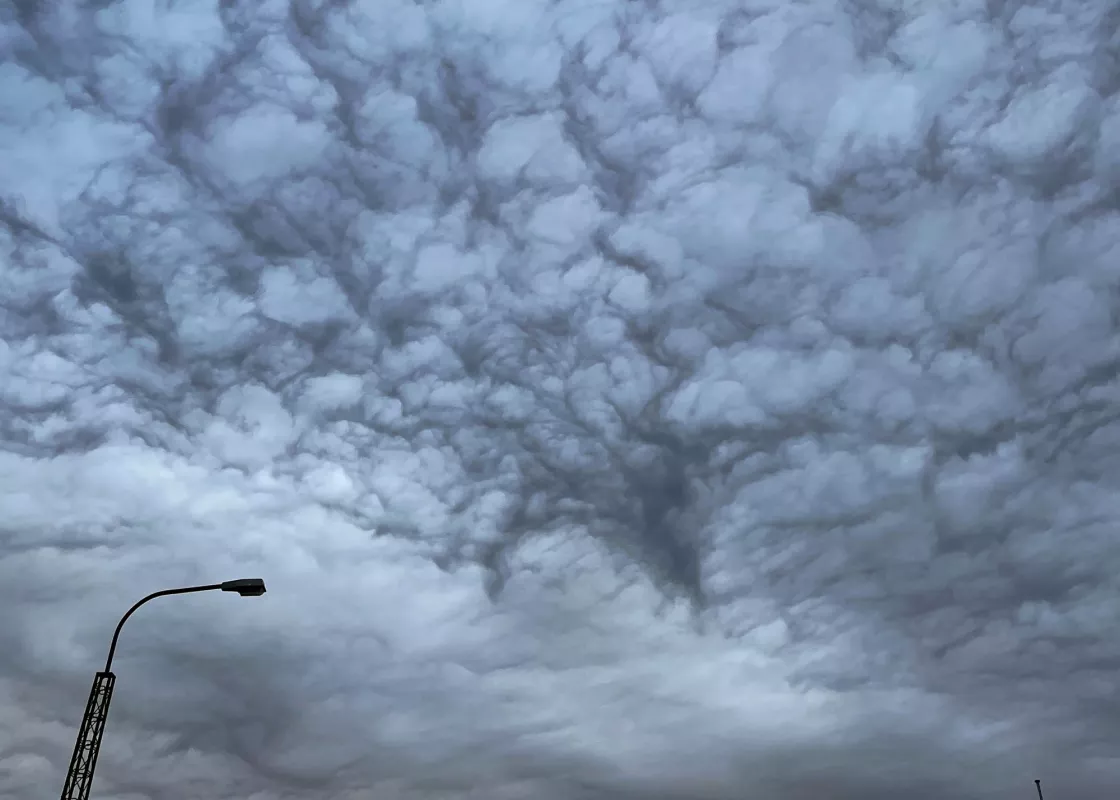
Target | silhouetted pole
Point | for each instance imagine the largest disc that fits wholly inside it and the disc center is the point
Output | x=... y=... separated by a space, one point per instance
x=1038 y=785
x=79 y=777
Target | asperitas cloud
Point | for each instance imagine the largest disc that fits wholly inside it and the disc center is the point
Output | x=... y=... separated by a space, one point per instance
x=621 y=399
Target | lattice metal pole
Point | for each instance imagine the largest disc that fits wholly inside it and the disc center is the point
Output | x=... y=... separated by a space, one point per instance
x=80 y=776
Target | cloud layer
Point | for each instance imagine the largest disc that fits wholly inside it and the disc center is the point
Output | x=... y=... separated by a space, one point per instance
x=620 y=399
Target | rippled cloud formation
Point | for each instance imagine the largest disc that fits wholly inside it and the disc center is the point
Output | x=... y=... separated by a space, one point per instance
x=622 y=399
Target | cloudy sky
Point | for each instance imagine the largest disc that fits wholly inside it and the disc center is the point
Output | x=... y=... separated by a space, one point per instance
x=677 y=399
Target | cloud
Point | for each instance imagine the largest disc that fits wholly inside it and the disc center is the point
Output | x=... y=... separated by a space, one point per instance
x=619 y=399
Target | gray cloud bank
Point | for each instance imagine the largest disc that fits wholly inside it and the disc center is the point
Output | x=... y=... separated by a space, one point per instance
x=622 y=399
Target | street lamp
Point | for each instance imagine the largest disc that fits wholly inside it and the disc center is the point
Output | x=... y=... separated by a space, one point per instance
x=79 y=777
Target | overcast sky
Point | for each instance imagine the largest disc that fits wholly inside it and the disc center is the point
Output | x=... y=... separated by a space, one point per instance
x=677 y=399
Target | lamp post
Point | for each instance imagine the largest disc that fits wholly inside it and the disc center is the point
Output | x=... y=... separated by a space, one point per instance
x=79 y=777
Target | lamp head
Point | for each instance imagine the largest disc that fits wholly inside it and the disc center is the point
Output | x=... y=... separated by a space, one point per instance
x=246 y=587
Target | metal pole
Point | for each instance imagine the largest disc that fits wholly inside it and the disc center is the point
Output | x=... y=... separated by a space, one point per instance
x=79 y=777
x=1038 y=786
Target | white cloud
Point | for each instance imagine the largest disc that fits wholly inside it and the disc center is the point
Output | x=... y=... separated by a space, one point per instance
x=619 y=399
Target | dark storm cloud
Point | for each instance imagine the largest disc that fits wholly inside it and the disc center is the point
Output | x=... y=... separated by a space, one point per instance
x=620 y=399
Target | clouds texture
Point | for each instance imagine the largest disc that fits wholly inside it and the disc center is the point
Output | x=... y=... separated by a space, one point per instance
x=621 y=399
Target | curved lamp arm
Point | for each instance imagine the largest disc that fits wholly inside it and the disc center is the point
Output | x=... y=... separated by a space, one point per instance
x=246 y=587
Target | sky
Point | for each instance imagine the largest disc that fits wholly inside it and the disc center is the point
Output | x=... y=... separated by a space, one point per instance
x=621 y=398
